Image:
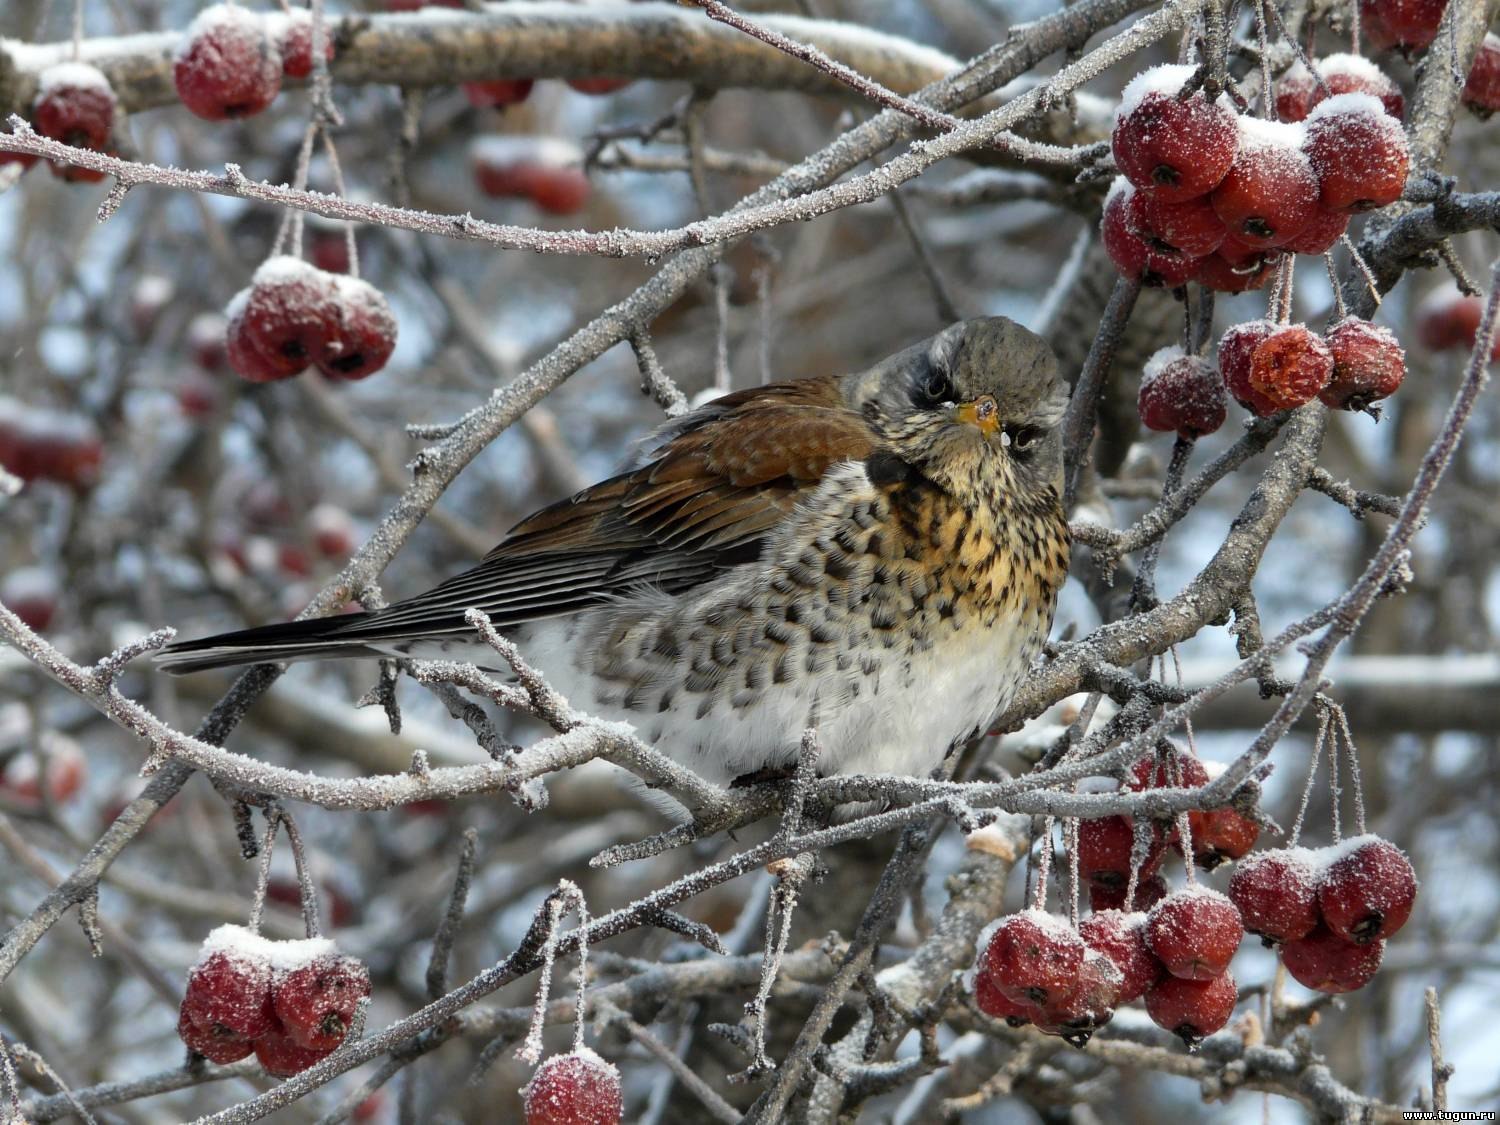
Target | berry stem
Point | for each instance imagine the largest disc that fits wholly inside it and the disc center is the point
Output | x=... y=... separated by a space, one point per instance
x=1342 y=718
x=263 y=877
x=1043 y=864
x=1321 y=703
x=307 y=894
x=336 y=171
x=1334 y=793
x=1070 y=841
x=1340 y=310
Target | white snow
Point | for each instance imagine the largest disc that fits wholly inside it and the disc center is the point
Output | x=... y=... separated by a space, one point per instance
x=1167 y=78
x=1159 y=361
x=278 y=956
x=1341 y=104
x=28 y=582
x=224 y=21
x=73 y=75
x=1120 y=188
x=283 y=269
x=1356 y=66
x=504 y=151
x=207 y=329
x=1257 y=132
x=236 y=306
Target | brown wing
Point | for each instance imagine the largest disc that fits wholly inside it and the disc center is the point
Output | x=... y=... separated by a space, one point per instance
x=716 y=482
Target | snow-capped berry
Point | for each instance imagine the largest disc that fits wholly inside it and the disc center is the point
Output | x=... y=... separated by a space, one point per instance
x=75 y=105
x=1175 y=147
x=1319 y=236
x=1325 y=962
x=1104 y=848
x=1407 y=24
x=296 y=41
x=1354 y=74
x=1194 y=932
x=230 y=987
x=1481 y=92
x=1290 y=367
x=1122 y=938
x=992 y=1002
x=1447 y=319
x=1131 y=253
x=1368 y=364
x=282 y=1056
x=1181 y=393
x=316 y=1002
x=1367 y=891
x=1358 y=152
x=288 y=319
x=1148 y=892
x=578 y=1088
x=1088 y=1005
x=332 y=531
x=496 y=93
x=1294 y=91
x=1189 y=229
x=227 y=65
x=363 y=334
x=1276 y=893
x=546 y=170
x=1230 y=273
x=1033 y=956
x=32 y=594
x=62 y=762
x=1192 y=1010
x=39 y=444
x=1270 y=194
x=215 y=1043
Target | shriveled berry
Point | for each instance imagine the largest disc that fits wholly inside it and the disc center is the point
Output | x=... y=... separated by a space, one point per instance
x=1355 y=74
x=1122 y=938
x=1368 y=889
x=75 y=105
x=215 y=1043
x=1182 y=393
x=1148 y=892
x=1088 y=1005
x=316 y=1002
x=1192 y=1010
x=1270 y=193
x=1104 y=849
x=363 y=333
x=1174 y=147
x=496 y=93
x=1276 y=893
x=1188 y=229
x=1319 y=236
x=1033 y=956
x=282 y=1056
x=1132 y=254
x=227 y=65
x=1358 y=152
x=296 y=44
x=1194 y=932
x=579 y=1088
x=1290 y=367
x=1481 y=91
x=1325 y=962
x=1407 y=24
x=992 y=1002
x=1368 y=364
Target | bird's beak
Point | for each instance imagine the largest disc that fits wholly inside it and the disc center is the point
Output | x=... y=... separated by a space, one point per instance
x=983 y=413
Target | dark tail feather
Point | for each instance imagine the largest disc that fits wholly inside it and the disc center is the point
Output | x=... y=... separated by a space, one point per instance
x=291 y=640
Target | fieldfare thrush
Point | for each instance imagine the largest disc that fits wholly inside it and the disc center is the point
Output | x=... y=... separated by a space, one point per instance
x=877 y=555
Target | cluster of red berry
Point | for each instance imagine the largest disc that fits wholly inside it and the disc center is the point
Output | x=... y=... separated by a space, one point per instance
x=295 y=315
x=1330 y=910
x=578 y=1088
x=291 y=1002
x=1212 y=196
x=21 y=775
x=546 y=170
x=231 y=61
x=41 y=444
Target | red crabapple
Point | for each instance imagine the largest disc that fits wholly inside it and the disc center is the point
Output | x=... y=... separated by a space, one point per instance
x=1354 y=74
x=578 y=1088
x=1294 y=91
x=1104 y=849
x=1270 y=193
x=1325 y=962
x=1481 y=92
x=497 y=93
x=1407 y=24
x=230 y=986
x=996 y=1004
x=1182 y=393
x=75 y=105
x=1192 y=1010
x=316 y=1002
x=282 y=1056
x=295 y=42
x=214 y=1043
x=1358 y=152
x=1133 y=255
x=1446 y=319
x=227 y=65
x=1175 y=148
x=598 y=87
x=1190 y=229
x=548 y=171
x=363 y=333
x=1290 y=367
x=1368 y=364
x=1194 y=932
x=1148 y=893
x=1122 y=938
x=1320 y=235
x=1033 y=956
x=1276 y=893
x=1221 y=272
x=1368 y=889
x=1088 y=1005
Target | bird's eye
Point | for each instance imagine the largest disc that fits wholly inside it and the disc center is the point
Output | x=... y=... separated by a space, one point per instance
x=1022 y=438
x=934 y=389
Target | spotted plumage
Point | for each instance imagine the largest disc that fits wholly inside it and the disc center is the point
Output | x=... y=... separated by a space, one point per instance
x=877 y=555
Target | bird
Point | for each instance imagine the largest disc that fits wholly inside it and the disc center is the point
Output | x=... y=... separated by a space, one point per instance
x=874 y=555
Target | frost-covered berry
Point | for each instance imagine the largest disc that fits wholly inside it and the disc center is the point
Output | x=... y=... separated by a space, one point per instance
x=578 y=1088
x=1189 y=229
x=32 y=594
x=1270 y=193
x=1481 y=91
x=994 y=1003
x=1104 y=849
x=1181 y=393
x=1407 y=24
x=1367 y=890
x=1236 y=350
x=497 y=93
x=1290 y=367
x=229 y=989
x=75 y=105
x=598 y=87
x=1294 y=91
x=1276 y=893
x=1122 y=938
x=1132 y=254
x=1319 y=236
x=1175 y=148
x=1354 y=74
x=1088 y=1005
x=1194 y=932
x=1358 y=152
x=283 y=323
x=215 y=1043
x=316 y=1002
x=1368 y=364
x=1148 y=773
x=1235 y=268
x=1192 y=1010
x=39 y=444
x=1033 y=956
x=546 y=170
x=295 y=40
x=1220 y=835
x=363 y=333
x=1325 y=962
x=227 y=65
x=282 y=1056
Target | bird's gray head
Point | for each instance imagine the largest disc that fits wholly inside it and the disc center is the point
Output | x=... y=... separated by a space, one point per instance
x=980 y=401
